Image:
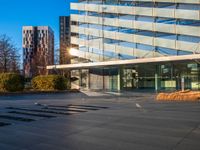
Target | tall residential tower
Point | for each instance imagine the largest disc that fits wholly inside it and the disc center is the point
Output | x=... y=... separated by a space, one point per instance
x=64 y=23
x=38 y=50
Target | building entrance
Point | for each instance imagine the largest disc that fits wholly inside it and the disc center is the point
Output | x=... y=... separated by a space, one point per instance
x=129 y=79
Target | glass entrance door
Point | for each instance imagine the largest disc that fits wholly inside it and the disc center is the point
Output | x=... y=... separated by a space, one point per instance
x=129 y=79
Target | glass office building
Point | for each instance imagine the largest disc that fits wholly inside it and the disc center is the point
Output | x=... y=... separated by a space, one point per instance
x=160 y=37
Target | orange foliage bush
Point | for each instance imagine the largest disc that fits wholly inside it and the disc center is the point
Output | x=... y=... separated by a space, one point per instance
x=186 y=95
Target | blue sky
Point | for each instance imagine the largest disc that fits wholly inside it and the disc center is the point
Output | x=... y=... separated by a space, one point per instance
x=17 y=13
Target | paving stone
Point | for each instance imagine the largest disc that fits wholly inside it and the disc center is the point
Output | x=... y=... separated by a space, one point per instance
x=122 y=126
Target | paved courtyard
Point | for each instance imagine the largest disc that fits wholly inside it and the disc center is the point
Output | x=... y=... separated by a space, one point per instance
x=97 y=121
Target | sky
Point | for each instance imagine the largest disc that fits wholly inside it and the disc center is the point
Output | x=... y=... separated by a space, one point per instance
x=17 y=13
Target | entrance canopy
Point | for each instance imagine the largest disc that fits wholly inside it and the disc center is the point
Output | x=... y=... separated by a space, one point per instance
x=194 y=57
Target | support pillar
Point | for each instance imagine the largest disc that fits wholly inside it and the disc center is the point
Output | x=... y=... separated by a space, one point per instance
x=157 y=79
x=80 y=78
x=120 y=75
x=156 y=82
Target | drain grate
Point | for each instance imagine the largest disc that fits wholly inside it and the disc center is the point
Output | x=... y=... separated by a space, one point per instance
x=31 y=114
x=39 y=110
x=16 y=118
x=80 y=107
x=74 y=107
x=66 y=109
x=90 y=106
x=28 y=114
x=4 y=124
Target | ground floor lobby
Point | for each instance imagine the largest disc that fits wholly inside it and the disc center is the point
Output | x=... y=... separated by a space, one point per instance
x=153 y=76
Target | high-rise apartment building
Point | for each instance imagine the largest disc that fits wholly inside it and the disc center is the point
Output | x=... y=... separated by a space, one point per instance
x=38 y=50
x=136 y=44
x=64 y=22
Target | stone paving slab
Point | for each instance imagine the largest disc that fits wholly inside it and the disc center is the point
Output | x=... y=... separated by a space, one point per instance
x=122 y=126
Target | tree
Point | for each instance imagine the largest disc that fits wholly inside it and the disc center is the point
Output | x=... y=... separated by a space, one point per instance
x=9 y=57
x=57 y=56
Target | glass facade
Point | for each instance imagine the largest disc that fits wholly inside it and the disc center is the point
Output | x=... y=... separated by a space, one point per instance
x=107 y=30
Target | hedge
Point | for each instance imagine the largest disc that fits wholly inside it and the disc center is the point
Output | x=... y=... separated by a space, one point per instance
x=179 y=96
x=11 y=82
x=49 y=83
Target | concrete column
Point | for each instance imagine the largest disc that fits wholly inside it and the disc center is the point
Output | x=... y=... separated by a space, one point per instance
x=156 y=82
x=88 y=79
x=120 y=82
x=80 y=78
x=103 y=79
x=157 y=79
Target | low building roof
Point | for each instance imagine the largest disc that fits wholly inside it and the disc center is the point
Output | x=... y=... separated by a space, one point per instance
x=126 y=62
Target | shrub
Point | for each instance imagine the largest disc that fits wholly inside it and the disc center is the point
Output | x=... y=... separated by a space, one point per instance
x=49 y=83
x=11 y=82
x=179 y=96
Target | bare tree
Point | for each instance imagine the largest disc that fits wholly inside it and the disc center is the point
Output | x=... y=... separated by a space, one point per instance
x=9 y=57
x=57 y=56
